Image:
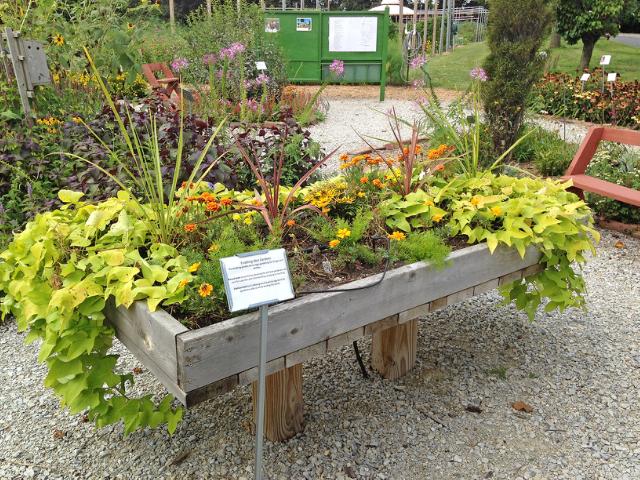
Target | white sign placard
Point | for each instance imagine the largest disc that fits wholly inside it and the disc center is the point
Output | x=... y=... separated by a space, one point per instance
x=611 y=77
x=605 y=59
x=261 y=65
x=585 y=77
x=353 y=34
x=256 y=278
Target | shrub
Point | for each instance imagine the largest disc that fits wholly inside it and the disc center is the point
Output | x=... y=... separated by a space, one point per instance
x=548 y=152
x=515 y=34
x=615 y=163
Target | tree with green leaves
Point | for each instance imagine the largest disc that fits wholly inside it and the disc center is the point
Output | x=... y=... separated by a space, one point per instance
x=515 y=34
x=588 y=20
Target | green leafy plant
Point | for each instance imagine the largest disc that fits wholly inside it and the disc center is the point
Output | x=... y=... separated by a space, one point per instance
x=60 y=273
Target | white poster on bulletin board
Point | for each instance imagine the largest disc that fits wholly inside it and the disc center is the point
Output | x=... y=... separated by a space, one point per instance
x=353 y=34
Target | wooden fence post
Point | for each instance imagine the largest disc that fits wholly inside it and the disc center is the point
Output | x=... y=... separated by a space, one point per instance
x=393 y=351
x=284 y=404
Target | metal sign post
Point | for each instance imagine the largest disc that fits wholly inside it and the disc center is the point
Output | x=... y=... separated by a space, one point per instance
x=257 y=280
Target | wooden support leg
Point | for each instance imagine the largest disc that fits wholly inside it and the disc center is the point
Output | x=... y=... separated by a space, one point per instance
x=284 y=405
x=393 y=351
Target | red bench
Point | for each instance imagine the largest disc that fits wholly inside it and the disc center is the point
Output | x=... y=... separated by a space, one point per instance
x=584 y=183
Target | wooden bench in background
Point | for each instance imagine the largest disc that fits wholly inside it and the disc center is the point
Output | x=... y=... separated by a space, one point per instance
x=585 y=183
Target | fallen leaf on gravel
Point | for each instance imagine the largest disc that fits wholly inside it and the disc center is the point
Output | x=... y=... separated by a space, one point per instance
x=179 y=458
x=58 y=434
x=473 y=408
x=349 y=471
x=522 y=407
x=137 y=370
x=619 y=244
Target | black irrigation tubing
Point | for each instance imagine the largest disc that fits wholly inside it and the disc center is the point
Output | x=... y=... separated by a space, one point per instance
x=356 y=350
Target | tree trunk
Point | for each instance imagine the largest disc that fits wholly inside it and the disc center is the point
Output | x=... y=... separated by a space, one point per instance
x=588 y=42
x=555 y=40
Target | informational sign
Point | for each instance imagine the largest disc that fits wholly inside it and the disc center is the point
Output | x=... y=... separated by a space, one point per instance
x=353 y=34
x=585 y=77
x=605 y=59
x=260 y=65
x=303 y=24
x=271 y=25
x=256 y=278
x=611 y=77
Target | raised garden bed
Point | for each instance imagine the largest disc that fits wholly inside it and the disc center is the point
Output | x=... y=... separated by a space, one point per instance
x=196 y=365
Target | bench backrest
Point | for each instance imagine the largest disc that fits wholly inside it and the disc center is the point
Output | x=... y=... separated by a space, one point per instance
x=589 y=145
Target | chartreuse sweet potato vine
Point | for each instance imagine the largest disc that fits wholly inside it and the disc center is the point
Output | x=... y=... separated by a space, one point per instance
x=516 y=212
x=57 y=276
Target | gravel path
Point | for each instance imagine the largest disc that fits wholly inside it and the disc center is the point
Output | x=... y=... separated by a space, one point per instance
x=580 y=371
x=349 y=120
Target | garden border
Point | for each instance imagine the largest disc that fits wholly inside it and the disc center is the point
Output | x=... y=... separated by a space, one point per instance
x=196 y=365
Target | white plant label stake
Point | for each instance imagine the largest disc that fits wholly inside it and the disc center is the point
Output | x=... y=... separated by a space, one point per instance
x=257 y=280
x=605 y=60
x=584 y=79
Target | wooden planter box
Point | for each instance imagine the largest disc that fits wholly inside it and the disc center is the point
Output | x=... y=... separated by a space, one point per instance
x=196 y=365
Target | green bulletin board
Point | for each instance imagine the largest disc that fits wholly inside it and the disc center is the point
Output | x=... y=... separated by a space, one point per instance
x=312 y=39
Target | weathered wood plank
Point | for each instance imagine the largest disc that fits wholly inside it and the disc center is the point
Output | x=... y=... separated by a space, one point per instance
x=381 y=325
x=305 y=354
x=510 y=278
x=393 y=351
x=413 y=313
x=345 y=338
x=212 y=390
x=251 y=375
x=284 y=404
x=151 y=337
x=438 y=304
x=218 y=351
x=486 y=286
x=459 y=296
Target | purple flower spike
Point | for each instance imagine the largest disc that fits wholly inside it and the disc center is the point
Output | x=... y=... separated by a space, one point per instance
x=209 y=59
x=418 y=62
x=179 y=64
x=337 y=68
x=262 y=79
x=479 y=74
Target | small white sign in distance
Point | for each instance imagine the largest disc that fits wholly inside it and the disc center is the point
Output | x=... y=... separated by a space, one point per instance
x=611 y=77
x=261 y=65
x=585 y=77
x=255 y=278
x=605 y=59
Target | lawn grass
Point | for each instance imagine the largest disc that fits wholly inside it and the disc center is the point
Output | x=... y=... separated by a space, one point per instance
x=451 y=70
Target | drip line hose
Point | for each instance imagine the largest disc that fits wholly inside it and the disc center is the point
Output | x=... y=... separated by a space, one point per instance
x=356 y=350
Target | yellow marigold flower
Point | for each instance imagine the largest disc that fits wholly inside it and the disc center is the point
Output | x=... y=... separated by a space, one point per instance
x=343 y=233
x=248 y=221
x=437 y=217
x=361 y=194
x=194 y=267
x=334 y=243
x=497 y=211
x=429 y=203
x=58 y=40
x=475 y=201
x=130 y=26
x=183 y=283
x=55 y=77
x=236 y=217
x=205 y=290
x=76 y=120
x=397 y=236
x=214 y=248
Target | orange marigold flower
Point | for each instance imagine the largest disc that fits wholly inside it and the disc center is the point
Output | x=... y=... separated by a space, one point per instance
x=226 y=202
x=334 y=243
x=208 y=197
x=439 y=167
x=213 y=207
x=405 y=151
x=374 y=161
x=418 y=149
x=364 y=180
x=205 y=290
x=190 y=227
x=194 y=267
x=397 y=236
x=183 y=283
x=291 y=223
x=376 y=182
x=344 y=157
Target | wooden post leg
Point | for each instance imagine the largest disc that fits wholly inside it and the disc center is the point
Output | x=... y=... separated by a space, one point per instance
x=393 y=351
x=284 y=405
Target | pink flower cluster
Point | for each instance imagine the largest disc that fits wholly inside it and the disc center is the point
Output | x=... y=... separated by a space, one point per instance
x=179 y=64
x=262 y=79
x=337 y=68
x=232 y=51
x=418 y=62
x=479 y=74
x=209 y=59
